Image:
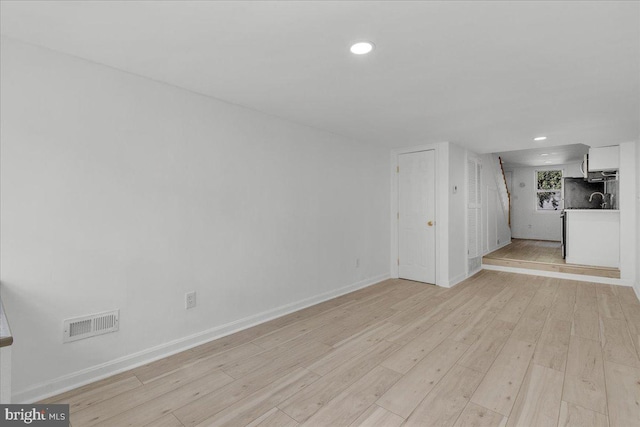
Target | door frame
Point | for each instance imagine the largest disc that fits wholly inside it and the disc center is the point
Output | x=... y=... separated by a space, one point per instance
x=442 y=170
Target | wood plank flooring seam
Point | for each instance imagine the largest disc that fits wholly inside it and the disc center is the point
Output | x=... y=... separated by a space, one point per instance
x=564 y=377
x=531 y=363
x=520 y=387
x=435 y=385
x=629 y=320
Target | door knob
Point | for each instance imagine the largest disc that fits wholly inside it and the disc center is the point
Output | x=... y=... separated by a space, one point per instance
x=430 y=223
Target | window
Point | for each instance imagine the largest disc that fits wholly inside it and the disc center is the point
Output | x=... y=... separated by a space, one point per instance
x=548 y=190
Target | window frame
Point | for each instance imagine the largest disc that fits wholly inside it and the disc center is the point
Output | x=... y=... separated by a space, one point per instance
x=536 y=190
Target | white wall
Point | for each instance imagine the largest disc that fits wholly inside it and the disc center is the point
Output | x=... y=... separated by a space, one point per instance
x=526 y=221
x=121 y=192
x=628 y=213
x=5 y=374
x=637 y=246
x=442 y=214
x=496 y=232
x=457 y=191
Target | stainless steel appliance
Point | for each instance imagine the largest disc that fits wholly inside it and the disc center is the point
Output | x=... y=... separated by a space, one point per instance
x=563 y=246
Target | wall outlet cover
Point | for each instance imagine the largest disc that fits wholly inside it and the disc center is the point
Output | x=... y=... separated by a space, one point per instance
x=190 y=299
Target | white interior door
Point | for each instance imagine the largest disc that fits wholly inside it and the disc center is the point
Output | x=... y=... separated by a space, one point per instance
x=416 y=216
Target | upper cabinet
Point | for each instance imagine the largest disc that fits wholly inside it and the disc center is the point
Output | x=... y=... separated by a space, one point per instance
x=604 y=158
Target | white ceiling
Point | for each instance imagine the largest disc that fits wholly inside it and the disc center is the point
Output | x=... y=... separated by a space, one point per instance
x=545 y=156
x=487 y=75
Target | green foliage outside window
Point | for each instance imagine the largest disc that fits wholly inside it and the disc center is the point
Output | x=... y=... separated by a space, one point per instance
x=549 y=189
x=550 y=180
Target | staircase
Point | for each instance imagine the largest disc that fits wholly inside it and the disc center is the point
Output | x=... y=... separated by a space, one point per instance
x=503 y=190
x=506 y=187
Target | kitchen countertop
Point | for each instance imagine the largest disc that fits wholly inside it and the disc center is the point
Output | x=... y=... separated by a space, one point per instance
x=592 y=210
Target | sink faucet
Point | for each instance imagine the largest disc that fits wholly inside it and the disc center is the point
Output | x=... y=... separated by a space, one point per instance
x=604 y=203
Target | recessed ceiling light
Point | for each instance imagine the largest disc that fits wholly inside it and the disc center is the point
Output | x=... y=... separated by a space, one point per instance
x=361 y=48
x=548 y=162
x=544 y=154
x=540 y=138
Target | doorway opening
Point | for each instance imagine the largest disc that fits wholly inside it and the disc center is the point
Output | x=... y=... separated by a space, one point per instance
x=544 y=183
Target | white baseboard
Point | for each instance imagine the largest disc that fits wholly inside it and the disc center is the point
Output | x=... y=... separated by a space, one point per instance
x=107 y=369
x=554 y=274
x=460 y=278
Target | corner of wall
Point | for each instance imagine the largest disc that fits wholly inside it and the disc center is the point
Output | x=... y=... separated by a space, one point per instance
x=629 y=213
x=443 y=214
x=460 y=278
x=637 y=195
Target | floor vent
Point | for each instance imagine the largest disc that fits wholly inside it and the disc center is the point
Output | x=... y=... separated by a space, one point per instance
x=90 y=326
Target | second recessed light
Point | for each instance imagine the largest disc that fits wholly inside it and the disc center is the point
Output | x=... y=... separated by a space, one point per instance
x=361 y=48
x=540 y=138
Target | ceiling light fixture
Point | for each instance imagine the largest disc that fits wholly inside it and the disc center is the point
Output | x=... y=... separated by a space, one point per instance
x=361 y=48
x=548 y=162
x=540 y=138
x=544 y=154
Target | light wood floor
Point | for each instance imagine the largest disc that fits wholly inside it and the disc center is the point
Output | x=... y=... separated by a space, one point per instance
x=498 y=349
x=530 y=250
x=542 y=255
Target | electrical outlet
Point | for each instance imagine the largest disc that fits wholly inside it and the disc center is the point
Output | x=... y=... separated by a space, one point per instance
x=190 y=299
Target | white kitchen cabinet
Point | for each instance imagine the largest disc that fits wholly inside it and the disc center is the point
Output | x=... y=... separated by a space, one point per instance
x=593 y=237
x=604 y=158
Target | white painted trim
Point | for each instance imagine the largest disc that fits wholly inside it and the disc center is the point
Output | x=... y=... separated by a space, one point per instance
x=441 y=221
x=554 y=274
x=107 y=369
x=459 y=278
x=536 y=190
